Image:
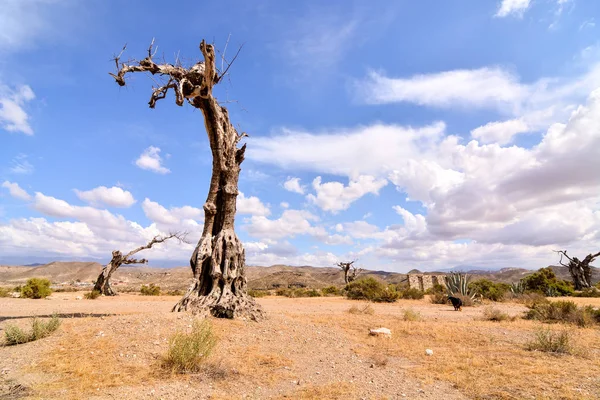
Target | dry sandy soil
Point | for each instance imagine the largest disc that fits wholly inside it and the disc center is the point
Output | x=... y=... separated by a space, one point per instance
x=312 y=348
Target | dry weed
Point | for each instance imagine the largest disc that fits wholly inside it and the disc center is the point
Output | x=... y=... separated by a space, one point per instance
x=365 y=310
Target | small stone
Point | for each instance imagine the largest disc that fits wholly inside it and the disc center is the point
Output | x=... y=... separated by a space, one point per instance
x=78 y=298
x=385 y=332
x=429 y=352
x=372 y=365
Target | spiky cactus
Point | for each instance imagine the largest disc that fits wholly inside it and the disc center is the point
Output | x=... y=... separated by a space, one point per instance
x=458 y=283
x=517 y=288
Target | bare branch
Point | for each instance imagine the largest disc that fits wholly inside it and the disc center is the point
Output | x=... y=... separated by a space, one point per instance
x=229 y=64
x=180 y=236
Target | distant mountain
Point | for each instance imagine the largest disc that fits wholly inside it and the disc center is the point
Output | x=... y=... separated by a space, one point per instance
x=275 y=276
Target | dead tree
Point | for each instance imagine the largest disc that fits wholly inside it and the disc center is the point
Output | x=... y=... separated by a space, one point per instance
x=581 y=271
x=103 y=282
x=218 y=262
x=350 y=271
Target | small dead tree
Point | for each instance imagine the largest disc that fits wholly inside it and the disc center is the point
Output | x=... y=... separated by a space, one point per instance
x=218 y=262
x=580 y=270
x=103 y=282
x=350 y=271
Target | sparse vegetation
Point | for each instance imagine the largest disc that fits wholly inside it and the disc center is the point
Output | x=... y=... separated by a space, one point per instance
x=298 y=292
x=188 y=351
x=373 y=290
x=14 y=335
x=258 y=293
x=438 y=298
x=367 y=309
x=93 y=295
x=66 y=289
x=545 y=281
x=150 y=290
x=36 y=288
x=174 y=292
x=588 y=292
x=489 y=290
x=563 y=311
x=494 y=314
x=551 y=342
x=331 y=291
x=4 y=292
x=412 y=294
x=411 y=315
x=457 y=285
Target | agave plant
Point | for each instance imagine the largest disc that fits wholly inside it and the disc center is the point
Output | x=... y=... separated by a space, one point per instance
x=517 y=288
x=458 y=283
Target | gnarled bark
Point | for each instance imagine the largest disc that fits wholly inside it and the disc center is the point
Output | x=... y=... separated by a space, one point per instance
x=103 y=282
x=580 y=270
x=218 y=261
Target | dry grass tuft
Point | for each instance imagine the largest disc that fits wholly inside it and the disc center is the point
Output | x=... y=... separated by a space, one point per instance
x=188 y=351
x=411 y=315
x=494 y=314
x=330 y=391
x=39 y=330
x=362 y=310
x=551 y=342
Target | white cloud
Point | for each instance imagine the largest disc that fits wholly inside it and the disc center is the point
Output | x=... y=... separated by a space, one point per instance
x=251 y=205
x=334 y=196
x=293 y=185
x=290 y=224
x=114 y=196
x=174 y=218
x=513 y=7
x=16 y=191
x=13 y=116
x=284 y=204
x=500 y=132
x=490 y=87
x=151 y=160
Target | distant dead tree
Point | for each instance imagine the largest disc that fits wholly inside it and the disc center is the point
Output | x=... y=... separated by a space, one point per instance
x=103 y=282
x=350 y=270
x=218 y=262
x=581 y=271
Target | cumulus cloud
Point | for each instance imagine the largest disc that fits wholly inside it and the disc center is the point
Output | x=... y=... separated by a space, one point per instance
x=290 y=224
x=334 y=196
x=513 y=7
x=13 y=116
x=151 y=160
x=16 y=191
x=251 y=205
x=293 y=185
x=114 y=196
x=175 y=218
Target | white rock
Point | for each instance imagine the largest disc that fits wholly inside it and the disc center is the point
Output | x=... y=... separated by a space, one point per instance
x=78 y=298
x=385 y=332
x=429 y=352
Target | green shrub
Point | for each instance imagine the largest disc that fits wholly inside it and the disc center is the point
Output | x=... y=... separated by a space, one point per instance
x=412 y=294
x=411 y=315
x=457 y=285
x=151 y=290
x=436 y=288
x=494 y=314
x=174 y=292
x=367 y=309
x=36 y=288
x=258 y=293
x=545 y=281
x=39 y=329
x=489 y=290
x=372 y=290
x=187 y=351
x=65 y=289
x=551 y=342
x=4 y=292
x=299 y=292
x=331 y=291
x=94 y=294
x=563 y=311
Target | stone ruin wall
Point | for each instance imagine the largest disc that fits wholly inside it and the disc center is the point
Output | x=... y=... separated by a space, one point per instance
x=424 y=282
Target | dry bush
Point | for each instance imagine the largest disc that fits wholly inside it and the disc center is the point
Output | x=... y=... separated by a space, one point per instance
x=66 y=289
x=563 y=311
x=365 y=310
x=411 y=315
x=4 y=292
x=373 y=290
x=331 y=291
x=551 y=342
x=438 y=298
x=258 y=293
x=39 y=329
x=494 y=314
x=379 y=359
x=412 y=294
x=151 y=290
x=187 y=351
x=329 y=391
x=298 y=292
x=174 y=292
x=93 y=295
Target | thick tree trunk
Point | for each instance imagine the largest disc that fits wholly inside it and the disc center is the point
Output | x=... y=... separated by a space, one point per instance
x=102 y=284
x=218 y=262
x=581 y=271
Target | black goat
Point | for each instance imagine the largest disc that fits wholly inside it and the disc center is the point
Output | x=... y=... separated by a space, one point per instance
x=456 y=302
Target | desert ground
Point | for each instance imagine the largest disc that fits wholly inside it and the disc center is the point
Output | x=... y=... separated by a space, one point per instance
x=308 y=348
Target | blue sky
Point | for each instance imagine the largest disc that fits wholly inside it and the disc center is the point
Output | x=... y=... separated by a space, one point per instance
x=405 y=134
